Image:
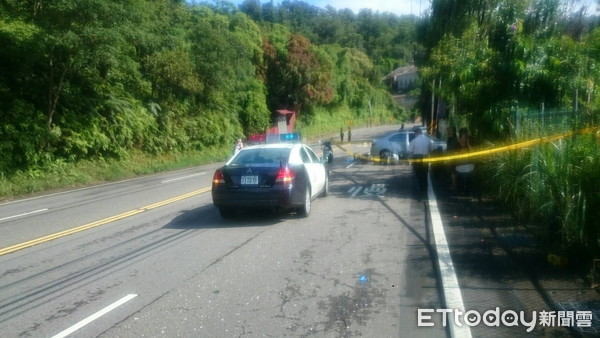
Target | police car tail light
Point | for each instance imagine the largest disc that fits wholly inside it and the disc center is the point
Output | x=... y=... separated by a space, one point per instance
x=218 y=177
x=285 y=175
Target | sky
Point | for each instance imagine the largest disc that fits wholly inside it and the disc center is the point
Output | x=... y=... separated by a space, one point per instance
x=398 y=7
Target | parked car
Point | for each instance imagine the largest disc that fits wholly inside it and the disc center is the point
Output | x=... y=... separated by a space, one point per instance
x=397 y=143
x=284 y=176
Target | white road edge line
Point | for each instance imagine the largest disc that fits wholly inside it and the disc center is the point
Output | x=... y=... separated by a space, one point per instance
x=183 y=177
x=451 y=289
x=95 y=316
x=24 y=214
x=351 y=164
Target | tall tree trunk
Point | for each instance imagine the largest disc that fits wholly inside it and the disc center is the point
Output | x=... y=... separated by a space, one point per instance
x=54 y=91
x=432 y=101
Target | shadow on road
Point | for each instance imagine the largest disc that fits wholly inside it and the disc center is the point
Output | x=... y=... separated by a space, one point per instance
x=208 y=216
x=500 y=262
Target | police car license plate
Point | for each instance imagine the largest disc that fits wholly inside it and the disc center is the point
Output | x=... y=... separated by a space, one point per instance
x=249 y=180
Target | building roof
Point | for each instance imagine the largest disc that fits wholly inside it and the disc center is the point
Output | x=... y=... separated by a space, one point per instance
x=285 y=112
x=401 y=71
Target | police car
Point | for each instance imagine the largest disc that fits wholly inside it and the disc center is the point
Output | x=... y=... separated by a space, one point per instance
x=279 y=174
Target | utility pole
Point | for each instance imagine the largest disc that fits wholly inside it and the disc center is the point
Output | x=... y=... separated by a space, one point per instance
x=370 y=114
x=432 y=98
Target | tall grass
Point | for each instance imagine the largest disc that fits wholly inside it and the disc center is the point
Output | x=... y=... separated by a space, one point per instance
x=555 y=188
x=62 y=174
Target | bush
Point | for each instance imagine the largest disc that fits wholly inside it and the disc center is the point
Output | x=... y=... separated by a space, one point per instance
x=556 y=188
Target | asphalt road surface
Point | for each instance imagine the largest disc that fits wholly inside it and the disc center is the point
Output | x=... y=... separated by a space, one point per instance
x=152 y=257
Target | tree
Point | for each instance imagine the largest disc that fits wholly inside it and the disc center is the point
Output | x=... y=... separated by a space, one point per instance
x=252 y=8
x=298 y=75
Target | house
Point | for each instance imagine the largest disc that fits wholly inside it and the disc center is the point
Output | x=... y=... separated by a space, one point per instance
x=402 y=79
x=282 y=121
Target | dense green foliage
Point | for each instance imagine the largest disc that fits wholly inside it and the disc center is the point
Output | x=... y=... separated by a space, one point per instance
x=99 y=79
x=387 y=39
x=491 y=58
x=502 y=67
x=92 y=79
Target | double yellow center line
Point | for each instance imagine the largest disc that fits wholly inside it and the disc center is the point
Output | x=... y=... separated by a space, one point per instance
x=16 y=247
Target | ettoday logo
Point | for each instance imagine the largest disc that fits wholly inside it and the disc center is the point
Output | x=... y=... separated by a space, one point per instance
x=496 y=317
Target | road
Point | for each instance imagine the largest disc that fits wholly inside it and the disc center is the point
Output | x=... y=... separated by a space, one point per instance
x=152 y=257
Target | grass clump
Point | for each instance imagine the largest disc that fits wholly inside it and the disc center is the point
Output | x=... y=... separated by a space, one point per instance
x=555 y=188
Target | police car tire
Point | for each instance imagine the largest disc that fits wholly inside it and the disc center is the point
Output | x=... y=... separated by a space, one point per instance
x=304 y=210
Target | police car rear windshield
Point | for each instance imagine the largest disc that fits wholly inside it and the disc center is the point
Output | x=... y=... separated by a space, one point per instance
x=262 y=156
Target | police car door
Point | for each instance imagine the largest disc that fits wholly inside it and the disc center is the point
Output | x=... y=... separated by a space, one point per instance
x=315 y=170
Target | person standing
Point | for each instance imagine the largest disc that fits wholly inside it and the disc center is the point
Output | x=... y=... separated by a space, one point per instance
x=349 y=134
x=464 y=169
x=239 y=145
x=452 y=147
x=341 y=134
x=418 y=149
x=463 y=139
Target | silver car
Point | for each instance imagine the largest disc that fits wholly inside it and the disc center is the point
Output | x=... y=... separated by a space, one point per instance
x=397 y=143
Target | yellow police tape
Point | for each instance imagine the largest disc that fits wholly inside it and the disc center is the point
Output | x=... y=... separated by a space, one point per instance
x=485 y=152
